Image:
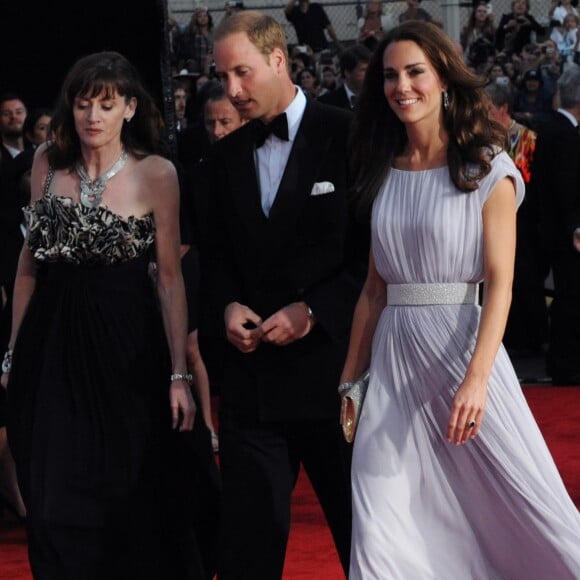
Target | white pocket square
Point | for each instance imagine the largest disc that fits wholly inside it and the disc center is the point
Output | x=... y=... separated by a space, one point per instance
x=322 y=187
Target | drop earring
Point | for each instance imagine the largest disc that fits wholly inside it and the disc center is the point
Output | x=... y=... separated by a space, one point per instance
x=445 y=100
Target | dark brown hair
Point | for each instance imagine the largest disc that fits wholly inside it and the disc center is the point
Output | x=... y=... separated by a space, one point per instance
x=378 y=135
x=105 y=73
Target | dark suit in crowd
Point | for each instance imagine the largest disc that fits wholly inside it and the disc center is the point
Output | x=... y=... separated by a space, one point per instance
x=337 y=98
x=556 y=182
x=354 y=61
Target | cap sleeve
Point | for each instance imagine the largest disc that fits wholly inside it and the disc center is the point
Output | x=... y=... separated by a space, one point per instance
x=502 y=166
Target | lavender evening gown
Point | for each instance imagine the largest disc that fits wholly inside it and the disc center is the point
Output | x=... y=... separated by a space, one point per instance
x=495 y=508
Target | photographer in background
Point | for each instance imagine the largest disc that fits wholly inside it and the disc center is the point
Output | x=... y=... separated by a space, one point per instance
x=515 y=28
x=551 y=66
x=311 y=24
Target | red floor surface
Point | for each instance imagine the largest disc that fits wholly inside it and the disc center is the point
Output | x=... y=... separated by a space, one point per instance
x=310 y=551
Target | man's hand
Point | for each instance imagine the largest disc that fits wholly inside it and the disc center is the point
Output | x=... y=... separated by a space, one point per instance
x=287 y=325
x=243 y=327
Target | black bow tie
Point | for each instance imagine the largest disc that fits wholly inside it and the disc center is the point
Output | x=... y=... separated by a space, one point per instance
x=278 y=126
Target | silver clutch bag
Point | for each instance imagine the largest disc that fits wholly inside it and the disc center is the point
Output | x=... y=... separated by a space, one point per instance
x=353 y=396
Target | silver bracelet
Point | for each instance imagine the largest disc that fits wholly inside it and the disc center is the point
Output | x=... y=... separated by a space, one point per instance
x=7 y=361
x=187 y=377
x=346 y=386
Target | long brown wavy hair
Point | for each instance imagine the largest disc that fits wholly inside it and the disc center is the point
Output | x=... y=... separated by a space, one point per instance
x=91 y=75
x=378 y=135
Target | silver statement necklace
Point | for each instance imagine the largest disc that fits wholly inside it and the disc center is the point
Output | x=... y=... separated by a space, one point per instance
x=92 y=190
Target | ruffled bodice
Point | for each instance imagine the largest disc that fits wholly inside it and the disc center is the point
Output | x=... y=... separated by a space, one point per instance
x=61 y=230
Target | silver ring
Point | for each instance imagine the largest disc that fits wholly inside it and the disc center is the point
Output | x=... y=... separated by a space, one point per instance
x=471 y=424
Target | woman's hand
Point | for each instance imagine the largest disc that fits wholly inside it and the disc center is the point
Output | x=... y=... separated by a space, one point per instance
x=182 y=405
x=4 y=380
x=467 y=411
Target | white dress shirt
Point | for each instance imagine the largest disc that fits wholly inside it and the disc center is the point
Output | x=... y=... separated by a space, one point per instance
x=271 y=158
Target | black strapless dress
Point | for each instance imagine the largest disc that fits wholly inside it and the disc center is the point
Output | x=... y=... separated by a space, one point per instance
x=89 y=420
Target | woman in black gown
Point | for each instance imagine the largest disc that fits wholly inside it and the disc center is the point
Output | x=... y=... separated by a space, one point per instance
x=98 y=383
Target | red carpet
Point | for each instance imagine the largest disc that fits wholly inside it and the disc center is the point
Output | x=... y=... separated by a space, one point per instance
x=310 y=552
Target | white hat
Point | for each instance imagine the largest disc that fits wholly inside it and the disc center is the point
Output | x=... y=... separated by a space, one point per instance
x=184 y=73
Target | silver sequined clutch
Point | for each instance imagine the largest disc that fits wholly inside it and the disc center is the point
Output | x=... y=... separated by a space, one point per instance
x=353 y=396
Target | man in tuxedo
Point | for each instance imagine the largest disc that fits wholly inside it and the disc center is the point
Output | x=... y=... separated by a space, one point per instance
x=280 y=277
x=353 y=63
x=556 y=182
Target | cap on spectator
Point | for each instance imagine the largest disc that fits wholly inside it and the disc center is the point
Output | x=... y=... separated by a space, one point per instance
x=185 y=74
x=532 y=75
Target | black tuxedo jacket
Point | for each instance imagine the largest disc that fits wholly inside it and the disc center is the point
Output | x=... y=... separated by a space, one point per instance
x=301 y=252
x=556 y=185
x=336 y=98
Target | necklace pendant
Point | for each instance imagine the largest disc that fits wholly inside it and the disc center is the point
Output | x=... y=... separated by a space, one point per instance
x=92 y=190
x=91 y=193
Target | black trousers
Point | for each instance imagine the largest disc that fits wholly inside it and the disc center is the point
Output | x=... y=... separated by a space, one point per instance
x=564 y=350
x=260 y=463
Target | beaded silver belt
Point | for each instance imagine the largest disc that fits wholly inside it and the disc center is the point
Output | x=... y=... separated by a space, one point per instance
x=430 y=294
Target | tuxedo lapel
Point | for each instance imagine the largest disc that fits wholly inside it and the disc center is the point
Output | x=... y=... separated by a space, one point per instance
x=344 y=100
x=241 y=170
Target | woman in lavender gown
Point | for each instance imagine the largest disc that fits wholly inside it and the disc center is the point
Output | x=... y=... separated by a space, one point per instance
x=451 y=476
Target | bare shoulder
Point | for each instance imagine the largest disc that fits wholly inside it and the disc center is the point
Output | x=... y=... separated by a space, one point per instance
x=157 y=168
x=158 y=181
x=40 y=157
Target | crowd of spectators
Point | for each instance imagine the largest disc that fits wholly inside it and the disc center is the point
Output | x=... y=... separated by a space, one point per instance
x=527 y=52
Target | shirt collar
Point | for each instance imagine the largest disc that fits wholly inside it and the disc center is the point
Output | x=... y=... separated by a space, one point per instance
x=294 y=113
x=349 y=93
x=569 y=116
